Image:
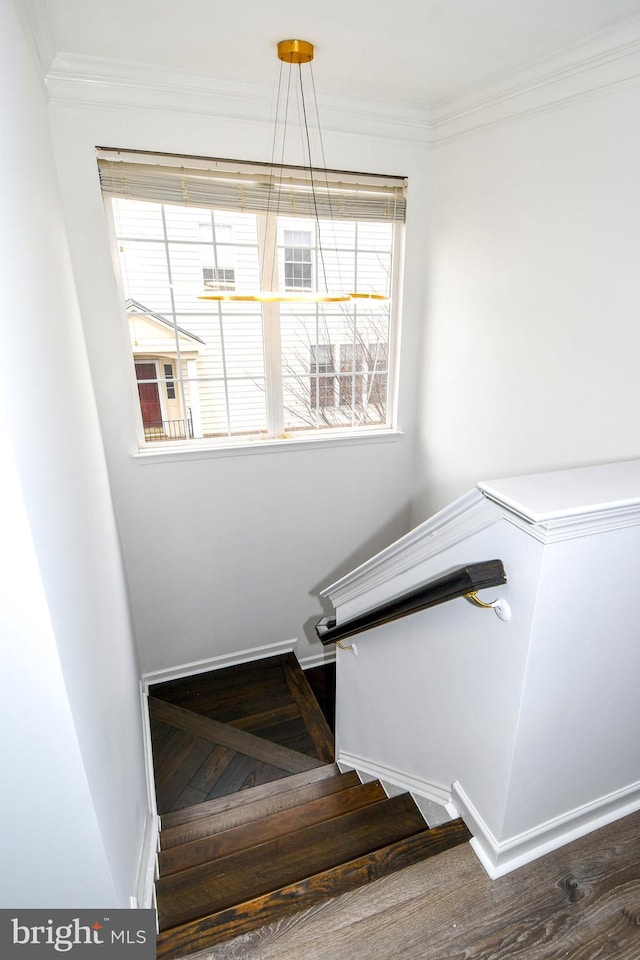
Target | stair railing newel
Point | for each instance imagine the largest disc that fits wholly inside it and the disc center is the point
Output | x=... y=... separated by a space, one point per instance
x=461 y=582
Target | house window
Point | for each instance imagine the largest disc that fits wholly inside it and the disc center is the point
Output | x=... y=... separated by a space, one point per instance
x=322 y=384
x=244 y=369
x=377 y=378
x=219 y=278
x=354 y=376
x=351 y=365
x=169 y=381
x=298 y=264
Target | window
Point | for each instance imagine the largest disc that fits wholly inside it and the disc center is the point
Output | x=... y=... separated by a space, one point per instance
x=351 y=361
x=323 y=378
x=297 y=260
x=170 y=385
x=219 y=278
x=236 y=369
x=354 y=376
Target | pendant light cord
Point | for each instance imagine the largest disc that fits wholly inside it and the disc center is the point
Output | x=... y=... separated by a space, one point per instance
x=273 y=165
x=313 y=186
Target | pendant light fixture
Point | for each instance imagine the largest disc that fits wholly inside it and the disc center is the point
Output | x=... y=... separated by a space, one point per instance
x=295 y=53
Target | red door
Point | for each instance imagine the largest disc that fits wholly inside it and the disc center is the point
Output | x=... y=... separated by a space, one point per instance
x=149 y=395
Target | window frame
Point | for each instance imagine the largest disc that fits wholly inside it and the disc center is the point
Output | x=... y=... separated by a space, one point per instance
x=240 y=444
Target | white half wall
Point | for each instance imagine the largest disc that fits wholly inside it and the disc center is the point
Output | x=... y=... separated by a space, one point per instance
x=529 y=360
x=73 y=678
x=531 y=722
x=225 y=552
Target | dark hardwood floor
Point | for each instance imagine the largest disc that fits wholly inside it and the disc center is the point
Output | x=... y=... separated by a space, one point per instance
x=269 y=732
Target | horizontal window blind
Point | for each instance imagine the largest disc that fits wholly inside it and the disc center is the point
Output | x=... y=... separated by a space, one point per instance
x=248 y=187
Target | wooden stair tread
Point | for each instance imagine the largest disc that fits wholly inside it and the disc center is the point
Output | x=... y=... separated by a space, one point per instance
x=221 y=925
x=252 y=812
x=216 y=886
x=252 y=795
x=222 y=844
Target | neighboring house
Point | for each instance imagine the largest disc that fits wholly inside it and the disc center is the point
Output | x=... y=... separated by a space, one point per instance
x=159 y=349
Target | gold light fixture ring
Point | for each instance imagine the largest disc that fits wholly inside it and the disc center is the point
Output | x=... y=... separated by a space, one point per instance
x=295 y=51
x=279 y=296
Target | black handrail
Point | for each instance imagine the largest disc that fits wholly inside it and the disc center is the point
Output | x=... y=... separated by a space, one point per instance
x=457 y=583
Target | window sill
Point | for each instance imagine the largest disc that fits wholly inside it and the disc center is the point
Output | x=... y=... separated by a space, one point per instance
x=189 y=451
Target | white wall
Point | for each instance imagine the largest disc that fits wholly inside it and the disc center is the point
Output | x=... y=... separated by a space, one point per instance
x=79 y=697
x=580 y=713
x=228 y=552
x=51 y=849
x=530 y=358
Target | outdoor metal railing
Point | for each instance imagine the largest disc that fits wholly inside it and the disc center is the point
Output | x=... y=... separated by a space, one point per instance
x=170 y=429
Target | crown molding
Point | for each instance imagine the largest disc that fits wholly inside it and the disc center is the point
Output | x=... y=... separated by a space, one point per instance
x=601 y=65
x=97 y=82
x=569 y=528
x=567 y=504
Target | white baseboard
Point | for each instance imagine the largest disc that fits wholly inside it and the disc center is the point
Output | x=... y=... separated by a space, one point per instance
x=433 y=801
x=501 y=857
x=319 y=659
x=147 y=868
x=217 y=663
x=148 y=749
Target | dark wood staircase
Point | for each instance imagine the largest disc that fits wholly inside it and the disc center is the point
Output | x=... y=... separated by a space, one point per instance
x=248 y=855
